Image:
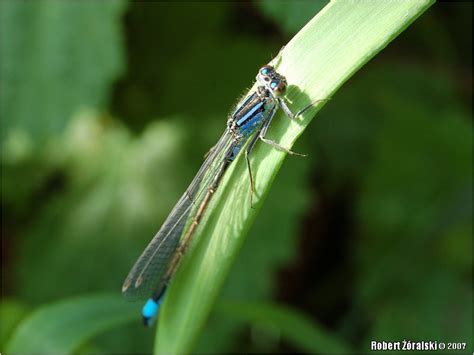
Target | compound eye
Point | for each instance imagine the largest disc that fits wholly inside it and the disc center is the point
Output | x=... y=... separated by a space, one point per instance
x=278 y=87
x=266 y=70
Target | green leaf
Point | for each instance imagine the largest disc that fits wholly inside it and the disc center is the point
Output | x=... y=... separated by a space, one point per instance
x=271 y=244
x=62 y=327
x=57 y=57
x=319 y=59
x=292 y=326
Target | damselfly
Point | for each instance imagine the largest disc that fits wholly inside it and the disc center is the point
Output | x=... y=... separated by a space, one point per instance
x=249 y=122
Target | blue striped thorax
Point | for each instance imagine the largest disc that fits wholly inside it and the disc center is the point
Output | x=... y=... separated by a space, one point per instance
x=256 y=107
x=249 y=114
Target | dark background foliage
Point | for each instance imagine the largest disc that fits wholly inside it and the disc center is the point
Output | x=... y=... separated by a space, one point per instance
x=107 y=109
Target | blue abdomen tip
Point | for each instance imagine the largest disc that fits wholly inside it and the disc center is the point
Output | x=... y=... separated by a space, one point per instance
x=150 y=309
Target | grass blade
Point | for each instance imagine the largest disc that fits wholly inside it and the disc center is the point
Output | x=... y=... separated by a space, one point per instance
x=62 y=327
x=316 y=62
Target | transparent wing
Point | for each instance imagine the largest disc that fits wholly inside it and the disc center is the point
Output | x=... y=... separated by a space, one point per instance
x=147 y=273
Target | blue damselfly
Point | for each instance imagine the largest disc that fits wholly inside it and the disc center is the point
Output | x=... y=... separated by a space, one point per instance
x=248 y=123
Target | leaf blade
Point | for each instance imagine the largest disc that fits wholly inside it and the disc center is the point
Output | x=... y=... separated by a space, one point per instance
x=316 y=62
x=62 y=327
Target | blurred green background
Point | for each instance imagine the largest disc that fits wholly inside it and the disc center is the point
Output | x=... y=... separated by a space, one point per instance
x=107 y=109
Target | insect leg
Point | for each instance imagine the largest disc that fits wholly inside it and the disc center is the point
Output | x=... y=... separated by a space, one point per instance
x=247 y=159
x=294 y=116
x=274 y=144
